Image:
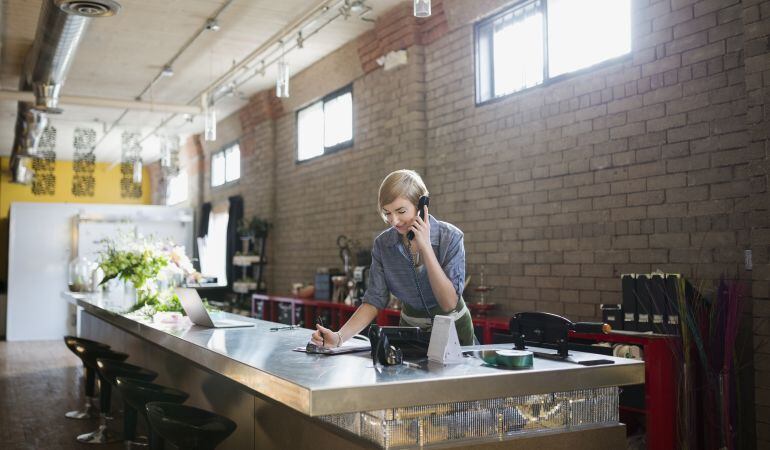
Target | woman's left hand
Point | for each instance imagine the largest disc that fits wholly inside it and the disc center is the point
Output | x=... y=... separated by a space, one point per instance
x=421 y=229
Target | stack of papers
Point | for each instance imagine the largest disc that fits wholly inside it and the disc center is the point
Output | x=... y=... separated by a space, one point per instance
x=358 y=343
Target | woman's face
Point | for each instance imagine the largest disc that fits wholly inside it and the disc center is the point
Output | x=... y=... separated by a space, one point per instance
x=400 y=214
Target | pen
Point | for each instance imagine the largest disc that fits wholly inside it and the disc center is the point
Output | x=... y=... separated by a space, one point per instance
x=290 y=327
x=320 y=321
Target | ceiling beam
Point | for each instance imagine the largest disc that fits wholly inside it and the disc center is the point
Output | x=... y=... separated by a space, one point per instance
x=98 y=102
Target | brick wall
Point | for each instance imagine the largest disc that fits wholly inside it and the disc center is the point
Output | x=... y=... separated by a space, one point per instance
x=642 y=163
x=756 y=22
x=657 y=160
x=638 y=165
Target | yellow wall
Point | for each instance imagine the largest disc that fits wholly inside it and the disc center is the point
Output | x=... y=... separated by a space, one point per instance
x=106 y=190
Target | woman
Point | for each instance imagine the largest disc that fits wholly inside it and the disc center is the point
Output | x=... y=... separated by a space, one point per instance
x=436 y=253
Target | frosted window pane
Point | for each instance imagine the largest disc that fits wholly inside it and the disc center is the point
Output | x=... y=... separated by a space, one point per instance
x=587 y=32
x=338 y=114
x=310 y=132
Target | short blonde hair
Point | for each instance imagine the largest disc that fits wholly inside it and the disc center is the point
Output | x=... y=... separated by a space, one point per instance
x=401 y=183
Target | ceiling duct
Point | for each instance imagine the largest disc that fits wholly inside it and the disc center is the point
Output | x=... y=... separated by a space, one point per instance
x=60 y=29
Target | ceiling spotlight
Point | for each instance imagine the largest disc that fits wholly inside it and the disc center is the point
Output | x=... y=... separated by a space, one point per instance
x=212 y=24
x=357 y=6
x=421 y=8
x=167 y=71
x=300 y=40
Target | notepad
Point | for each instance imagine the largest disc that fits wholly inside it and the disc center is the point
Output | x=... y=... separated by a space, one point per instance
x=357 y=343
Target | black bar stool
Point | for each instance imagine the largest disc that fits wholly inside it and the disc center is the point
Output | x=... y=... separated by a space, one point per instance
x=187 y=427
x=136 y=394
x=89 y=354
x=109 y=369
x=88 y=412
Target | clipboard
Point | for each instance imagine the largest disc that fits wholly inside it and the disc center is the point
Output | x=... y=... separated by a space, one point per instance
x=357 y=343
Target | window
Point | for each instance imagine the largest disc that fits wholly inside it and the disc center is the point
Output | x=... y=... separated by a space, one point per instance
x=212 y=249
x=226 y=165
x=539 y=40
x=326 y=125
x=176 y=190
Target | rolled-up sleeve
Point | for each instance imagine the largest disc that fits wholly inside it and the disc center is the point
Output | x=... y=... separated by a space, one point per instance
x=454 y=262
x=377 y=290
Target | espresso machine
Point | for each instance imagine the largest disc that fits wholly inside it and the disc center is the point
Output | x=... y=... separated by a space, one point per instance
x=360 y=281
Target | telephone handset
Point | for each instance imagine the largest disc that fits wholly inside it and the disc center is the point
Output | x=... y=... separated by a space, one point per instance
x=421 y=204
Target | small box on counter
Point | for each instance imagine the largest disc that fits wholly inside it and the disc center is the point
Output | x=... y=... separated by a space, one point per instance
x=651 y=302
x=658 y=303
x=672 y=305
x=628 y=285
x=613 y=315
x=643 y=303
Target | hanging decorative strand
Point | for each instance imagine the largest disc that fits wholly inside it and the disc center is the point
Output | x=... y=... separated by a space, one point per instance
x=84 y=164
x=44 y=164
x=131 y=159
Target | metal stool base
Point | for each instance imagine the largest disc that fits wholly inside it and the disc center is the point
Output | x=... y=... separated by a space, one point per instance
x=138 y=442
x=89 y=412
x=102 y=435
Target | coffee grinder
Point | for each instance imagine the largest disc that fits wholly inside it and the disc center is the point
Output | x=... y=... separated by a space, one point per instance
x=361 y=275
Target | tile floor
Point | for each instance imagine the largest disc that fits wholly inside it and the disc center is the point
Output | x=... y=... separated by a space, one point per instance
x=39 y=382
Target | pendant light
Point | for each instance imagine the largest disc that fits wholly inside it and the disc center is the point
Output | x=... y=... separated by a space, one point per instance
x=282 y=82
x=421 y=8
x=210 y=118
x=137 y=175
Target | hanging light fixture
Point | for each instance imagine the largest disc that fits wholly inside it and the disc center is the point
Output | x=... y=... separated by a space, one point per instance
x=282 y=82
x=210 y=118
x=421 y=8
x=169 y=156
x=137 y=175
x=131 y=165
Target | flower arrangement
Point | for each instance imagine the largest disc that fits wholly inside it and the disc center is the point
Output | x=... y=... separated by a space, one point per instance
x=152 y=267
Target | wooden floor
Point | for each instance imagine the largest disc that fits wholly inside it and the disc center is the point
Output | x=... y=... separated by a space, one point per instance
x=39 y=382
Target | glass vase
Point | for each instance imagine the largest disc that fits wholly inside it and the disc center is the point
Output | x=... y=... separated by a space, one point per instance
x=80 y=274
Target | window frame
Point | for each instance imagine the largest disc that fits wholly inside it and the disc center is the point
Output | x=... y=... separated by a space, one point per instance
x=337 y=147
x=547 y=81
x=223 y=151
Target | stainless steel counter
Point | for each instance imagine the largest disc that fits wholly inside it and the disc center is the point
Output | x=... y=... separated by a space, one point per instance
x=263 y=361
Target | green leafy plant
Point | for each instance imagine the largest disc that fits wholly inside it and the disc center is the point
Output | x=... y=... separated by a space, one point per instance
x=254 y=227
x=145 y=263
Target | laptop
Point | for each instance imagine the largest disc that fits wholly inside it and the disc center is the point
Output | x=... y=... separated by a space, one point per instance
x=193 y=306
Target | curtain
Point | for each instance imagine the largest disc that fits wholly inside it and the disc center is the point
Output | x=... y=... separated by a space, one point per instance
x=203 y=229
x=233 y=242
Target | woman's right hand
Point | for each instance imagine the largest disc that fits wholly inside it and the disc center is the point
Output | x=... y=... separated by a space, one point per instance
x=324 y=337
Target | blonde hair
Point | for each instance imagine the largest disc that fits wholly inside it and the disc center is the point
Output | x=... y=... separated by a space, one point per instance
x=401 y=183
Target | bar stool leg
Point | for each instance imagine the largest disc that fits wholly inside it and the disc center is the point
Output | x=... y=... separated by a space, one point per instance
x=130 y=418
x=102 y=435
x=88 y=411
x=156 y=442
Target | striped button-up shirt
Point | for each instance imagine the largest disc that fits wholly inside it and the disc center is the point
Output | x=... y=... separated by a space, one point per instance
x=391 y=269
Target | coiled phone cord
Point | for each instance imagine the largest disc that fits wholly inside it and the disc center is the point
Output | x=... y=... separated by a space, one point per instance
x=417 y=281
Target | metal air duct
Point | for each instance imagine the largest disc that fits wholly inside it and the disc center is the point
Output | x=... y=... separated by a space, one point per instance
x=60 y=29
